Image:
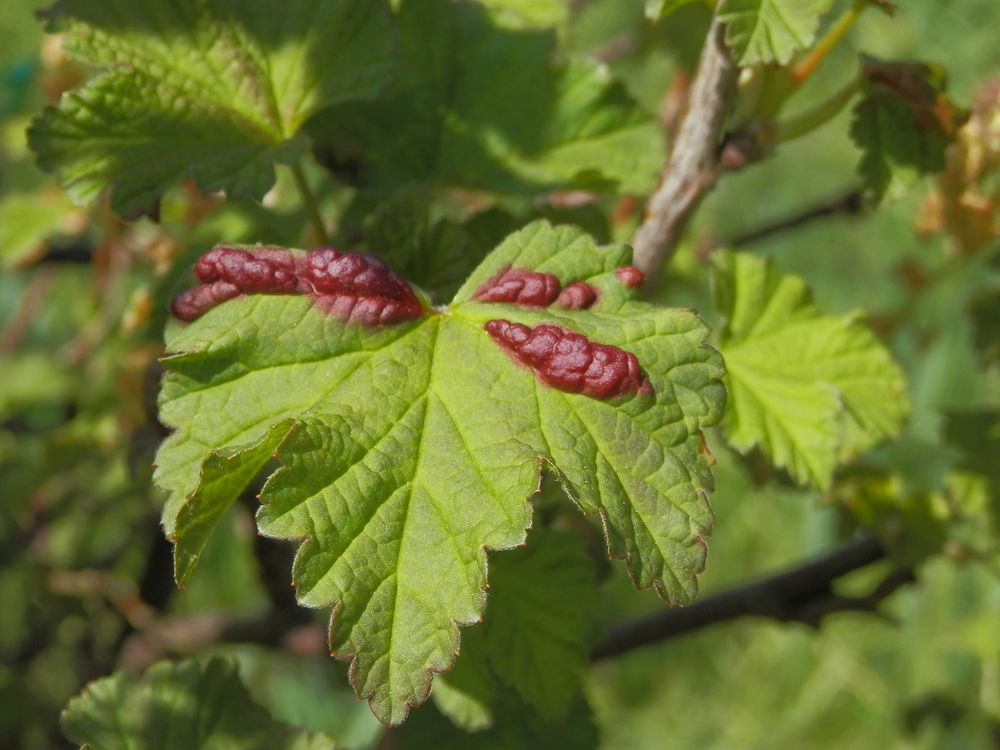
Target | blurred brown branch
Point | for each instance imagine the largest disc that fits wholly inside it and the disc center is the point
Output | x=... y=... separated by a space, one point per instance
x=285 y=624
x=850 y=203
x=801 y=594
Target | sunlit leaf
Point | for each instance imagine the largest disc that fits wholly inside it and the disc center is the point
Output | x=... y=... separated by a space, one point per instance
x=411 y=447
x=212 y=91
x=808 y=389
x=771 y=31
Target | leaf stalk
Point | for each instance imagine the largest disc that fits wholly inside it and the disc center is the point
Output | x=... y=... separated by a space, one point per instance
x=815 y=57
x=310 y=204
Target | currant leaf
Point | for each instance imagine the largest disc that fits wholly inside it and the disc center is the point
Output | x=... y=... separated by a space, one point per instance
x=535 y=637
x=656 y=9
x=771 y=31
x=413 y=445
x=515 y=727
x=542 y=603
x=810 y=389
x=205 y=90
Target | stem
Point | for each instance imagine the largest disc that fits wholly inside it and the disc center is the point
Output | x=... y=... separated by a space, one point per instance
x=310 y=204
x=806 y=122
x=808 y=64
x=848 y=204
x=802 y=594
x=693 y=164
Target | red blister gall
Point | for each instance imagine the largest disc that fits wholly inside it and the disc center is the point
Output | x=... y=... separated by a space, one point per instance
x=227 y=272
x=520 y=286
x=630 y=276
x=577 y=296
x=265 y=270
x=570 y=361
x=352 y=286
x=195 y=302
x=358 y=287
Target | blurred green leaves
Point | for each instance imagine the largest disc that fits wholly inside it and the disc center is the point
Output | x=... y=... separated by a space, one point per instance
x=530 y=13
x=903 y=124
x=33 y=382
x=182 y=706
x=656 y=9
x=27 y=220
x=485 y=107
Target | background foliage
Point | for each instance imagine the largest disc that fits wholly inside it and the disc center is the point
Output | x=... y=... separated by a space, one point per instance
x=85 y=583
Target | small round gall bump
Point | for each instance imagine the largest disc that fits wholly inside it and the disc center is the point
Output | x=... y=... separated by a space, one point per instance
x=630 y=276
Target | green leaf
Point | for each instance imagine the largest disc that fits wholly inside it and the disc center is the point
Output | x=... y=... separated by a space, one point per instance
x=514 y=728
x=771 y=31
x=432 y=252
x=541 y=604
x=212 y=91
x=809 y=389
x=417 y=445
x=27 y=220
x=541 y=14
x=486 y=108
x=468 y=694
x=182 y=706
x=535 y=635
x=656 y=9
x=224 y=475
x=903 y=124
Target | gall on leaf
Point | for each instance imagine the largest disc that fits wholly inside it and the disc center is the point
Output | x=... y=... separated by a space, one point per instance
x=355 y=287
x=358 y=287
x=570 y=361
x=407 y=453
x=577 y=296
x=520 y=286
x=630 y=276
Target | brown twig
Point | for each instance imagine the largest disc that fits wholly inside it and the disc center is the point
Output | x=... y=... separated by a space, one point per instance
x=694 y=160
x=186 y=635
x=33 y=298
x=802 y=594
x=847 y=204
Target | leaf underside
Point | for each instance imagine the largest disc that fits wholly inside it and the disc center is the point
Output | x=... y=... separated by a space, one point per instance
x=408 y=450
